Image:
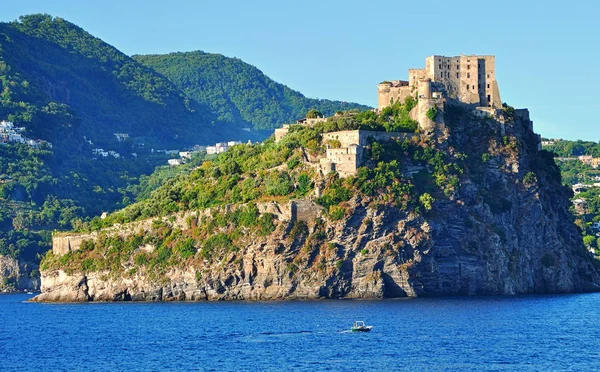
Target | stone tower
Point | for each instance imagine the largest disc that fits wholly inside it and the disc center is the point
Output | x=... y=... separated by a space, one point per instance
x=469 y=79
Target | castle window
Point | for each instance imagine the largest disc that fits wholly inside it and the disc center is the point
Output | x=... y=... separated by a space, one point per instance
x=440 y=66
x=468 y=67
x=488 y=86
x=441 y=74
x=467 y=86
x=488 y=76
x=457 y=67
x=468 y=75
x=458 y=75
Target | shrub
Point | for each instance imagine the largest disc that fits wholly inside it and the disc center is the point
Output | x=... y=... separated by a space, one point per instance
x=426 y=201
x=589 y=240
x=265 y=224
x=88 y=265
x=485 y=157
x=141 y=259
x=293 y=162
x=334 y=144
x=339 y=264
x=432 y=113
x=336 y=213
x=298 y=230
x=304 y=184
x=219 y=241
x=530 y=179
x=278 y=184
x=162 y=254
x=186 y=248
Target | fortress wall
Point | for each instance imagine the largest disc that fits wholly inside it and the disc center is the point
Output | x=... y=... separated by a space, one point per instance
x=280 y=133
x=69 y=242
x=307 y=210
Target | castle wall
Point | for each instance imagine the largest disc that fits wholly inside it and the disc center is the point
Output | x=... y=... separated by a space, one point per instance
x=281 y=132
x=361 y=137
x=389 y=93
x=414 y=75
x=346 y=159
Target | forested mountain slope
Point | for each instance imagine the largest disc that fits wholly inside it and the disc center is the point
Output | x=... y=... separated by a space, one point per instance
x=71 y=92
x=237 y=91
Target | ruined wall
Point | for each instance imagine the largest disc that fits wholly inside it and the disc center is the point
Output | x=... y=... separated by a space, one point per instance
x=281 y=132
x=361 y=137
x=69 y=242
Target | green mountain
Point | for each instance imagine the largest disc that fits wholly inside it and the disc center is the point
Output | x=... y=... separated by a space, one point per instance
x=236 y=91
x=74 y=91
x=108 y=91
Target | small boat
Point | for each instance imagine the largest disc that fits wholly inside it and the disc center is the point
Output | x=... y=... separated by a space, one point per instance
x=359 y=326
x=29 y=292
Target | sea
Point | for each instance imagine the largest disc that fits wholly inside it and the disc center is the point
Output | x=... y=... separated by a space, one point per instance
x=541 y=333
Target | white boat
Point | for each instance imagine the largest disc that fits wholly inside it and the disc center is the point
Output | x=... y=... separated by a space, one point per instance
x=359 y=326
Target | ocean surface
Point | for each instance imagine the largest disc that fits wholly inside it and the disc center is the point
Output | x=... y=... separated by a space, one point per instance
x=481 y=333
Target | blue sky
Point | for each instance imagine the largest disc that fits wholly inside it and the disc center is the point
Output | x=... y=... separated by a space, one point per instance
x=547 y=54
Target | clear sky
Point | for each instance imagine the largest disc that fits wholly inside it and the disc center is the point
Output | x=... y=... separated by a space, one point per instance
x=547 y=54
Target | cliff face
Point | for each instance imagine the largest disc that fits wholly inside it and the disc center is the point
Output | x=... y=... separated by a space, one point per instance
x=17 y=276
x=505 y=230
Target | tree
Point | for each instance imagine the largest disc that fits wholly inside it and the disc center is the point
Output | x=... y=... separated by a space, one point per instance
x=313 y=114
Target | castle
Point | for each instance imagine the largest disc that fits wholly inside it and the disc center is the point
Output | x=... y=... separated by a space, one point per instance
x=468 y=79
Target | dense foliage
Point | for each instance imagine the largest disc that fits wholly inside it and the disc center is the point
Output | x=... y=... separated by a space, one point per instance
x=238 y=92
x=567 y=149
x=108 y=90
x=573 y=172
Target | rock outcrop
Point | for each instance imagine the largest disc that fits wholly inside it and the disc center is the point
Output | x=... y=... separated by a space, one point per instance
x=506 y=230
x=18 y=276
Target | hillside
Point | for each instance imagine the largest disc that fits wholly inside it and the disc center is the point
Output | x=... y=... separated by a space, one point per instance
x=473 y=208
x=64 y=94
x=108 y=90
x=237 y=92
x=578 y=162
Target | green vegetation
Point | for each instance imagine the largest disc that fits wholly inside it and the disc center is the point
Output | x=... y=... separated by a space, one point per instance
x=432 y=113
x=567 y=149
x=71 y=89
x=239 y=93
x=573 y=171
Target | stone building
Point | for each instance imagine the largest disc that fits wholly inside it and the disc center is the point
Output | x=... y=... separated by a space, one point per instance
x=469 y=79
x=347 y=155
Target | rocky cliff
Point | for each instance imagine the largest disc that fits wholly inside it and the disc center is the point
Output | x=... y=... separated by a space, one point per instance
x=18 y=276
x=505 y=228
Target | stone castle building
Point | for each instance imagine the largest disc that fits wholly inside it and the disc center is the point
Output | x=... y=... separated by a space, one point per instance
x=347 y=155
x=469 y=79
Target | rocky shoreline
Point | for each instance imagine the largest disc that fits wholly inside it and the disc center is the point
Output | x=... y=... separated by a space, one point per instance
x=506 y=230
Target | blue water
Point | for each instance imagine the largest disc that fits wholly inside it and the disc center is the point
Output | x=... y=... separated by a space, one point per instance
x=484 y=333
